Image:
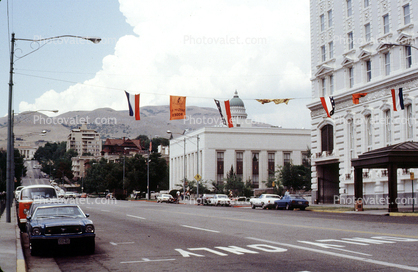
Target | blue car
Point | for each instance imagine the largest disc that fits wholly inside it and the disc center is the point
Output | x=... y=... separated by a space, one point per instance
x=52 y=226
x=290 y=202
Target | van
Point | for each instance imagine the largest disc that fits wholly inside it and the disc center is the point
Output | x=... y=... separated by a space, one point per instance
x=30 y=193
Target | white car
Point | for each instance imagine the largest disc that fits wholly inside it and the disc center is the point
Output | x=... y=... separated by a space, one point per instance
x=220 y=199
x=264 y=201
x=164 y=198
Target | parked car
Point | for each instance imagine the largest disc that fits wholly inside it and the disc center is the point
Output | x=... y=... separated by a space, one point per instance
x=264 y=201
x=220 y=199
x=165 y=198
x=69 y=194
x=289 y=202
x=27 y=195
x=59 y=225
x=204 y=200
x=17 y=192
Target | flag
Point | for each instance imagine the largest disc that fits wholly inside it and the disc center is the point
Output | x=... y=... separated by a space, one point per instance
x=225 y=110
x=276 y=101
x=397 y=99
x=133 y=103
x=356 y=97
x=177 y=107
x=329 y=105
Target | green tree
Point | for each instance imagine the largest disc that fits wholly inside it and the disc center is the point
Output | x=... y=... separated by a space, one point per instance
x=55 y=159
x=20 y=169
x=296 y=177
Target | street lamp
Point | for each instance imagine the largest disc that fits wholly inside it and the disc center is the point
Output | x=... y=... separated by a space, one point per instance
x=10 y=145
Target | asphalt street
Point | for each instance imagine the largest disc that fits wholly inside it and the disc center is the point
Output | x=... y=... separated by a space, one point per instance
x=149 y=236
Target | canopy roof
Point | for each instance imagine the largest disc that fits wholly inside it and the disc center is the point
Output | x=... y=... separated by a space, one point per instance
x=403 y=155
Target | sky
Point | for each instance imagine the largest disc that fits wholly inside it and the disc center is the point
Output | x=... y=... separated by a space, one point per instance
x=203 y=50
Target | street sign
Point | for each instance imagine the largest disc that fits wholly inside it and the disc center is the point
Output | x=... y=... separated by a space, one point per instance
x=411 y=174
x=198 y=177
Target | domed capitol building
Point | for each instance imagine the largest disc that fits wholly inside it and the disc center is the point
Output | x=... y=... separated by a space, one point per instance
x=254 y=153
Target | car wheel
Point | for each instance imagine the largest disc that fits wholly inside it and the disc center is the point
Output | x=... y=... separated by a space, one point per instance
x=34 y=249
x=91 y=246
x=252 y=206
x=302 y=208
x=276 y=206
x=263 y=206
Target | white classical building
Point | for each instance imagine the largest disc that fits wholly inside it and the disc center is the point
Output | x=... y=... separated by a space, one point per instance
x=350 y=54
x=253 y=152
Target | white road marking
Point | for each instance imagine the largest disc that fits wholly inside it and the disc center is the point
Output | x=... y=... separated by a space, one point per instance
x=134 y=216
x=200 y=229
x=399 y=266
x=121 y=243
x=146 y=260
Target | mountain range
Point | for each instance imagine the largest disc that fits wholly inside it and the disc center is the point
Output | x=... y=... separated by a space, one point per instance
x=35 y=128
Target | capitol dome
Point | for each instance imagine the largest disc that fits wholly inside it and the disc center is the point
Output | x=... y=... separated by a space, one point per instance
x=238 y=112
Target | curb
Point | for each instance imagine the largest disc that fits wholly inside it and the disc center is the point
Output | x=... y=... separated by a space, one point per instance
x=20 y=257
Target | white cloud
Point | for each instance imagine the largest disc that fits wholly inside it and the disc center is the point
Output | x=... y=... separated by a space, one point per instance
x=202 y=50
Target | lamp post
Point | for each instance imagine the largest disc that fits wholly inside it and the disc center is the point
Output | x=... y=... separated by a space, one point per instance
x=10 y=145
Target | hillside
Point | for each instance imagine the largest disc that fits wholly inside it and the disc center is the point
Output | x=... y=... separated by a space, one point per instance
x=33 y=128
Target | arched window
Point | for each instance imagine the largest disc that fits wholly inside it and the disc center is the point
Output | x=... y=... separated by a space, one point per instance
x=327 y=138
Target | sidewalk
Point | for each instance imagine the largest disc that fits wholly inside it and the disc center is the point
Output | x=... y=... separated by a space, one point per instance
x=12 y=258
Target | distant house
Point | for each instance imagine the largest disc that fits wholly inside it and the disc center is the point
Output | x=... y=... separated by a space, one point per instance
x=114 y=148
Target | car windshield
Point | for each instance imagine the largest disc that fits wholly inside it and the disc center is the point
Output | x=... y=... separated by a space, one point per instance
x=64 y=211
x=38 y=193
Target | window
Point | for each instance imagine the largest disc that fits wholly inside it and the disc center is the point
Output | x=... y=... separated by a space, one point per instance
x=351 y=77
x=366 y=3
x=324 y=86
x=388 y=135
x=240 y=157
x=271 y=169
x=331 y=84
x=323 y=53
x=406 y=14
x=255 y=170
x=349 y=8
x=331 y=49
x=286 y=158
x=368 y=70
x=220 y=167
x=386 y=24
x=409 y=122
x=322 y=22
x=327 y=138
x=387 y=63
x=367 y=33
x=368 y=131
x=408 y=56
x=330 y=18
x=350 y=40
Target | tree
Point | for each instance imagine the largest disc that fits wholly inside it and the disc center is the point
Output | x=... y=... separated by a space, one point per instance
x=20 y=169
x=296 y=177
x=56 y=159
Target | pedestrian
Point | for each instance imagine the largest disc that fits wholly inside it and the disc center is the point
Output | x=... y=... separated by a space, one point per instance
x=287 y=193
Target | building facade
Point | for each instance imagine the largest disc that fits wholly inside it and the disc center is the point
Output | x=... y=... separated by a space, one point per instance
x=85 y=141
x=353 y=53
x=254 y=153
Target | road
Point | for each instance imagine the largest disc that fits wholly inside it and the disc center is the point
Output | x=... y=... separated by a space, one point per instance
x=149 y=236
x=33 y=175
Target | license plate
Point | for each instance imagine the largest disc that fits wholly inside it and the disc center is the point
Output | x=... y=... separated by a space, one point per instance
x=300 y=202
x=63 y=241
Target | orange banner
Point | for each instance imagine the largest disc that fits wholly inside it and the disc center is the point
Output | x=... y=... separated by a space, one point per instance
x=177 y=107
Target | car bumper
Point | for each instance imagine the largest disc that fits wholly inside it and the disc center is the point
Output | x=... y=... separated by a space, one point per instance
x=56 y=237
